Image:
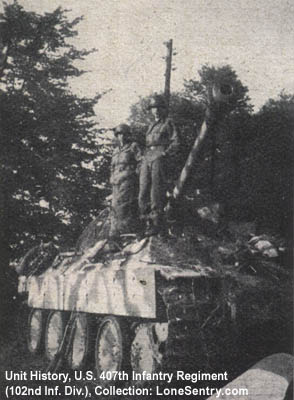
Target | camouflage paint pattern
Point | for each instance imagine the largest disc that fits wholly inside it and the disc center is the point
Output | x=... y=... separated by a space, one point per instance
x=124 y=286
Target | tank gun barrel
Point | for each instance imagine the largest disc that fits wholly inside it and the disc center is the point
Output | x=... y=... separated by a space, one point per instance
x=217 y=95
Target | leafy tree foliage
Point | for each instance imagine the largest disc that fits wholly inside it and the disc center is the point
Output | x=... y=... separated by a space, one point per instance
x=267 y=165
x=187 y=110
x=185 y=113
x=246 y=161
x=49 y=146
x=217 y=171
x=187 y=116
x=210 y=76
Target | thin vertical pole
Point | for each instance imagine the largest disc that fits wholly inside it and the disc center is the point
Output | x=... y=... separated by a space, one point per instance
x=169 y=46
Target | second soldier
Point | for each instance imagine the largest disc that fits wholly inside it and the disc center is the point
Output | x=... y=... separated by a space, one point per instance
x=124 y=180
x=161 y=143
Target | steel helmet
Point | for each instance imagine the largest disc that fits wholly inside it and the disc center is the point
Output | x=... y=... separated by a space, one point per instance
x=123 y=129
x=158 y=101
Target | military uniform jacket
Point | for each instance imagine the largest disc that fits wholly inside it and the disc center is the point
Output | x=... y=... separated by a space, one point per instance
x=124 y=163
x=161 y=137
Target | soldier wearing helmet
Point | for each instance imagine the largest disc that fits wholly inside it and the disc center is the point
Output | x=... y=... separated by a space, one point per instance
x=161 y=144
x=125 y=183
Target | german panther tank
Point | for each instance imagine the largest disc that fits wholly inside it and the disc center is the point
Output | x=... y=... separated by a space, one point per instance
x=142 y=308
x=179 y=302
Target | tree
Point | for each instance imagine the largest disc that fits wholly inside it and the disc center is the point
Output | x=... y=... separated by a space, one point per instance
x=247 y=162
x=187 y=116
x=267 y=165
x=218 y=172
x=217 y=166
x=210 y=76
x=49 y=147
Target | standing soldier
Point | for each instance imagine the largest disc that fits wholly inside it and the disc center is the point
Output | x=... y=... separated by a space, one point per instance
x=161 y=144
x=125 y=183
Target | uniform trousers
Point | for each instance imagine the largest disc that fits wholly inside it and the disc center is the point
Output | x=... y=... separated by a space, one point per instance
x=153 y=186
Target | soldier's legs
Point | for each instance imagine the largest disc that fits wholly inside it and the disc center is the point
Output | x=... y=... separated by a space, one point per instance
x=128 y=205
x=144 y=189
x=114 y=228
x=158 y=191
x=124 y=215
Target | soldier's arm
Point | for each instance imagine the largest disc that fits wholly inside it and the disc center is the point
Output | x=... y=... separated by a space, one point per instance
x=174 y=139
x=112 y=167
x=138 y=155
x=137 y=151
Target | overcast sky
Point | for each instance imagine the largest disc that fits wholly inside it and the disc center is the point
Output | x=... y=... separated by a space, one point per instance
x=256 y=37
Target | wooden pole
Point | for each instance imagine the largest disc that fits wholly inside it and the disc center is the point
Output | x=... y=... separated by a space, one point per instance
x=169 y=46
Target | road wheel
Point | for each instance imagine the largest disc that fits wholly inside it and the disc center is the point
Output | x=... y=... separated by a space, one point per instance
x=111 y=348
x=35 y=330
x=81 y=343
x=54 y=331
x=147 y=347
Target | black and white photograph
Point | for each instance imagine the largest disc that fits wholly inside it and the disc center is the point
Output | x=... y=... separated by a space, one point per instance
x=146 y=199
